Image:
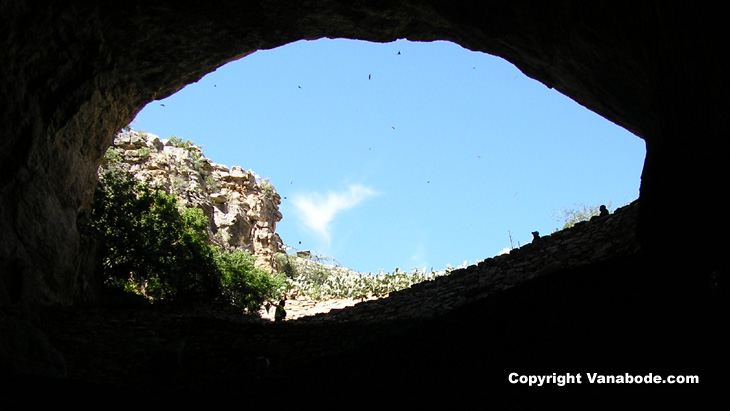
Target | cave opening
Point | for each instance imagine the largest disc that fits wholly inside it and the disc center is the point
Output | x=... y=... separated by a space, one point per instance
x=370 y=145
x=74 y=69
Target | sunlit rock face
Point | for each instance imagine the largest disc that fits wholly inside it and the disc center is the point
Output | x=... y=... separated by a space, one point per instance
x=75 y=72
x=242 y=209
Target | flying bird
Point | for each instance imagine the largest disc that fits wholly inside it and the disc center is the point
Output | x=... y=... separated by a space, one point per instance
x=369 y=76
x=399 y=52
x=162 y=105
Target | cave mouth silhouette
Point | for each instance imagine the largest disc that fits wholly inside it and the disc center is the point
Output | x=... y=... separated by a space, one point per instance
x=76 y=73
x=625 y=61
x=344 y=98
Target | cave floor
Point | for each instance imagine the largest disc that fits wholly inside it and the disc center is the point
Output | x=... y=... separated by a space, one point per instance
x=215 y=352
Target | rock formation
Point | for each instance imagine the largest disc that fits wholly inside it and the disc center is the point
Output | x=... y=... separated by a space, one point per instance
x=568 y=303
x=242 y=209
x=587 y=243
x=75 y=72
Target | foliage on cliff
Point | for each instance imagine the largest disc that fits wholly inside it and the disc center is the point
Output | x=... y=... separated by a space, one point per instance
x=241 y=208
x=243 y=284
x=155 y=247
x=307 y=277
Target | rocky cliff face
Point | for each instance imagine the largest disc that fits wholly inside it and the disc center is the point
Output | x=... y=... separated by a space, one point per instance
x=242 y=209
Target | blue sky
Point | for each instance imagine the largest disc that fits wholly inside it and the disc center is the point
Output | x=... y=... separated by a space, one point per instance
x=403 y=154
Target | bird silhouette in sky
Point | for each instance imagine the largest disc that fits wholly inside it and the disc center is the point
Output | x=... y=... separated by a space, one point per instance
x=369 y=76
x=162 y=105
x=399 y=52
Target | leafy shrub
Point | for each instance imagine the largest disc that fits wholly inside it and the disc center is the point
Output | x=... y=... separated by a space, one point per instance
x=322 y=282
x=143 y=153
x=267 y=188
x=152 y=247
x=211 y=183
x=113 y=156
x=283 y=260
x=148 y=244
x=244 y=285
x=178 y=142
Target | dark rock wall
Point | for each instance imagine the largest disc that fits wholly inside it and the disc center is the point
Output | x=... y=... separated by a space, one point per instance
x=74 y=72
x=587 y=244
x=578 y=301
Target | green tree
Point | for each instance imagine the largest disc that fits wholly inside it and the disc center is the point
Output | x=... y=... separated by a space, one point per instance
x=150 y=245
x=244 y=285
x=153 y=247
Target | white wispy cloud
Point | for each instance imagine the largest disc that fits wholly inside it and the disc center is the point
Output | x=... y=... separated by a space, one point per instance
x=317 y=211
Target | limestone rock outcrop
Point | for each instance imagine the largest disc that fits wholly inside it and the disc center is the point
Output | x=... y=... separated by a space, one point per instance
x=242 y=208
